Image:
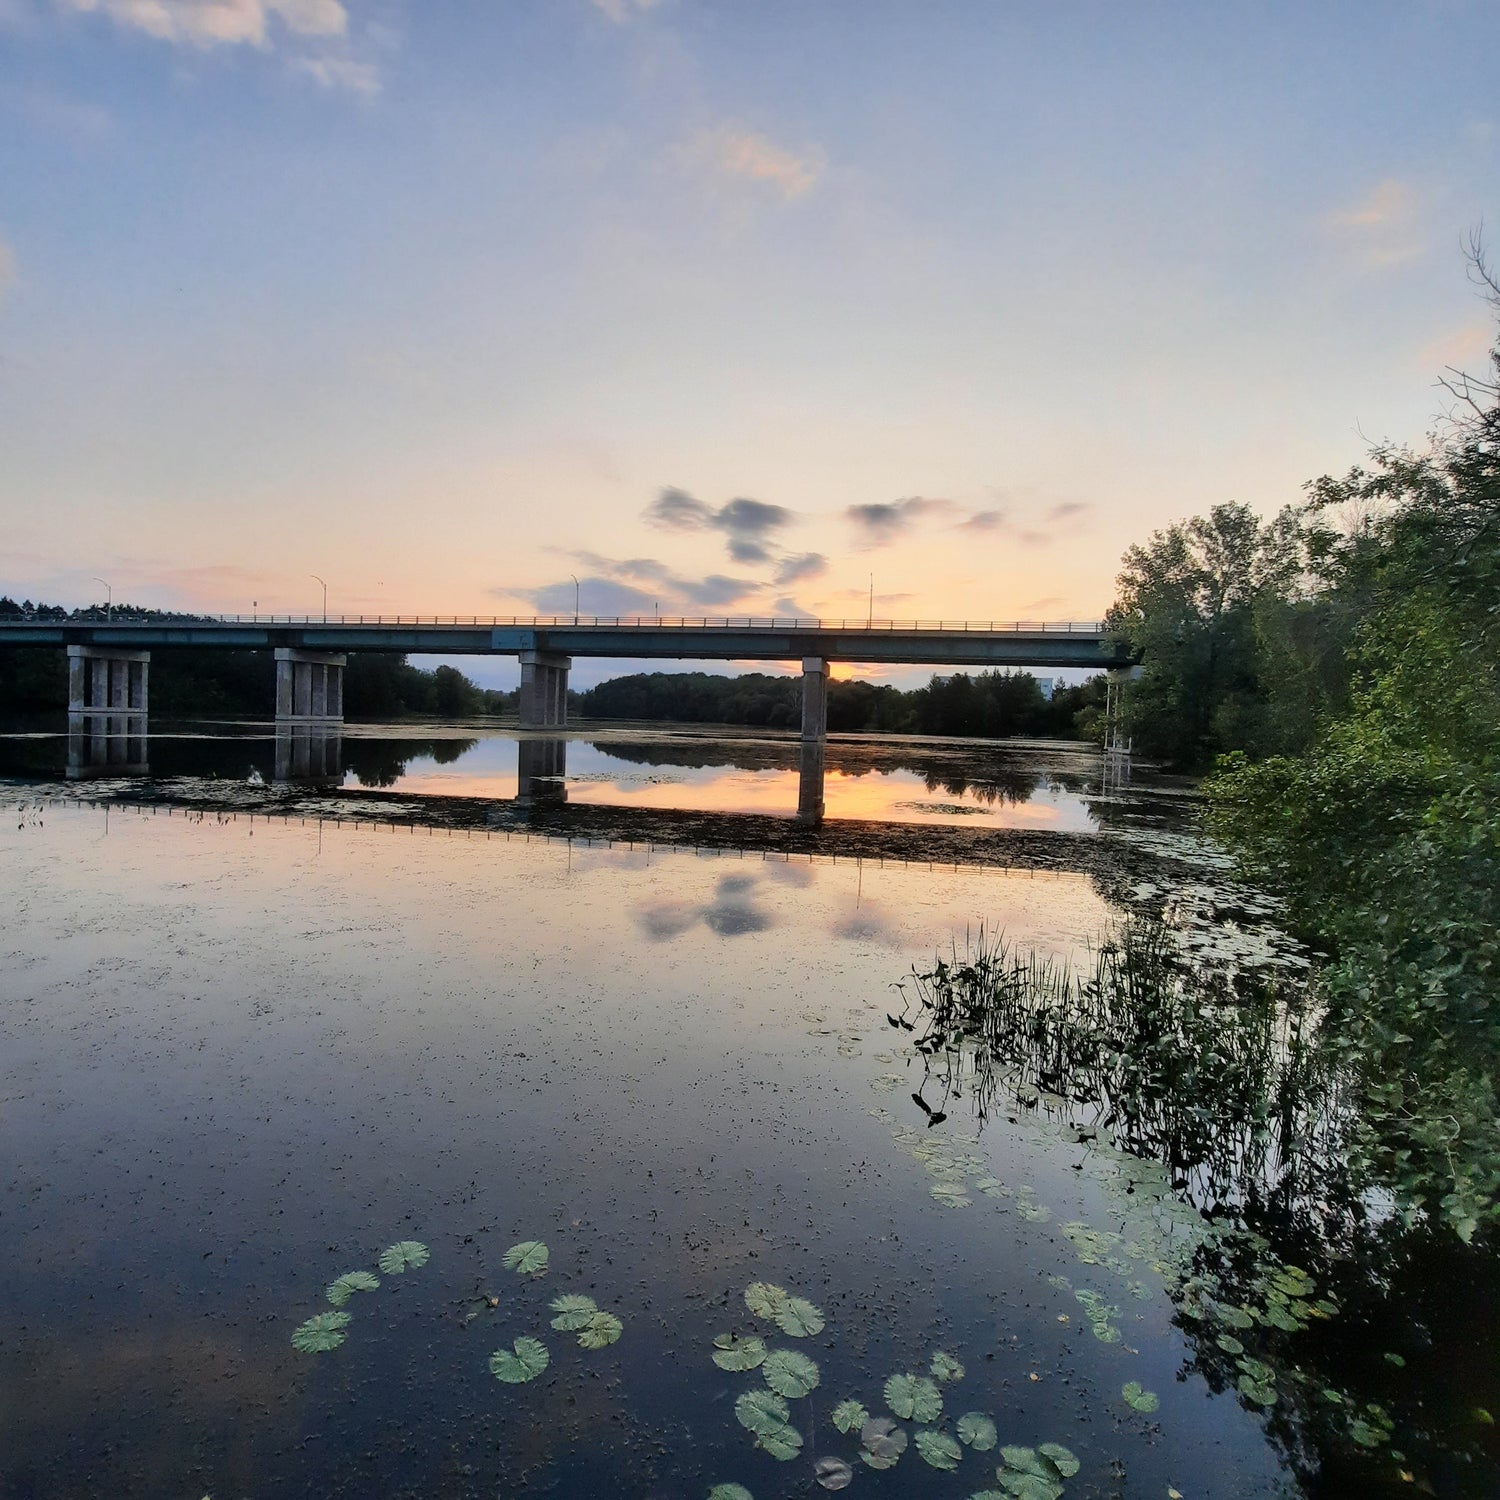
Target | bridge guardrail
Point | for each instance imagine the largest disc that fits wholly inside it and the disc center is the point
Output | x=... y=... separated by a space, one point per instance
x=606 y=622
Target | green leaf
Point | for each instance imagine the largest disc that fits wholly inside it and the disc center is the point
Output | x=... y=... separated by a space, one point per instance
x=765 y=1300
x=945 y=1368
x=528 y=1361
x=731 y=1352
x=322 y=1332
x=730 y=1492
x=914 y=1397
x=940 y=1450
x=1067 y=1465
x=950 y=1194
x=849 y=1415
x=1029 y=1486
x=1142 y=1400
x=573 y=1312
x=603 y=1329
x=343 y=1287
x=529 y=1258
x=404 y=1255
x=1027 y=1461
x=761 y=1411
x=978 y=1431
x=780 y=1442
x=789 y=1373
x=799 y=1318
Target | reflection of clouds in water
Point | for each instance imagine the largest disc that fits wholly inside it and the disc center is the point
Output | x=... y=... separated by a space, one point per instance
x=732 y=912
x=868 y=923
x=784 y=872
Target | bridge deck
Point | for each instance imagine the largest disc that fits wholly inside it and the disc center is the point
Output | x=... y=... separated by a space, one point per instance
x=708 y=637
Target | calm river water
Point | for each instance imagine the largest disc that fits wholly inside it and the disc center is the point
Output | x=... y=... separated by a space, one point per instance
x=252 y=1036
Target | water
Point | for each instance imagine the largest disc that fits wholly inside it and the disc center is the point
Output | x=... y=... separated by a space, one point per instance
x=241 y=1053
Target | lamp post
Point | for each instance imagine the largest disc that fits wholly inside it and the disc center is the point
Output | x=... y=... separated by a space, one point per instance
x=870 y=618
x=576 y=592
x=109 y=600
x=316 y=579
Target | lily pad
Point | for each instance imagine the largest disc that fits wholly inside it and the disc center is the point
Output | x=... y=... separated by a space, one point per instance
x=833 y=1473
x=1142 y=1400
x=573 y=1312
x=1063 y=1458
x=881 y=1442
x=950 y=1194
x=761 y=1411
x=914 y=1397
x=342 y=1288
x=782 y=1442
x=603 y=1329
x=799 y=1318
x=849 y=1415
x=322 y=1332
x=730 y=1492
x=529 y=1258
x=978 y=1431
x=765 y=1300
x=526 y=1363
x=1029 y=1486
x=404 y=1255
x=732 y=1352
x=940 y=1450
x=945 y=1368
x=789 y=1373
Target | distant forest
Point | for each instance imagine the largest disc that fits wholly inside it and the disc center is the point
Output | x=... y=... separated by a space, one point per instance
x=214 y=683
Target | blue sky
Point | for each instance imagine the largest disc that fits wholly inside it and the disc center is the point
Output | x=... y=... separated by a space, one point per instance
x=436 y=301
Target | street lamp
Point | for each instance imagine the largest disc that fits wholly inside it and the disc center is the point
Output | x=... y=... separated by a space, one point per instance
x=574 y=577
x=316 y=579
x=109 y=599
x=870 y=618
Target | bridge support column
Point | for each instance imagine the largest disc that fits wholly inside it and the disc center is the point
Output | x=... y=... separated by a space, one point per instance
x=814 y=698
x=309 y=685
x=107 y=680
x=544 y=689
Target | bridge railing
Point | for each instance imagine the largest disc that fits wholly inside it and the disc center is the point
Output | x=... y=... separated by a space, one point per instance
x=609 y=622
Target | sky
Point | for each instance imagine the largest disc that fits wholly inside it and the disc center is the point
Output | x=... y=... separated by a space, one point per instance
x=719 y=307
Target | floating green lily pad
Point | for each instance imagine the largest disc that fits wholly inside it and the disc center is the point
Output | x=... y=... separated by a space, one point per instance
x=732 y=1352
x=730 y=1492
x=1029 y=1486
x=404 y=1255
x=783 y=1442
x=765 y=1300
x=945 y=1368
x=799 y=1318
x=1063 y=1458
x=526 y=1363
x=940 y=1450
x=761 y=1411
x=978 y=1431
x=529 y=1258
x=602 y=1330
x=849 y=1416
x=789 y=1373
x=573 y=1312
x=322 y=1332
x=914 y=1397
x=343 y=1287
x=1142 y=1400
x=950 y=1194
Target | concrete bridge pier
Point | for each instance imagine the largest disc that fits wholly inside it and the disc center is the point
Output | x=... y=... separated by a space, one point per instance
x=544 y=689
x=309 y=684
x=810 y=783
x=541 y=772
x=107 y=680
x=814 y=698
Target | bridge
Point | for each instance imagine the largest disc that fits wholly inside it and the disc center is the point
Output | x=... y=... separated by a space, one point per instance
x=108 y=659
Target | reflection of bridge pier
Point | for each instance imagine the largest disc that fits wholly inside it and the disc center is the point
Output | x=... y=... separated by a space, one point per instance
x=541 y=771
x=101 y=744
x=810 y=782
x=309 y=753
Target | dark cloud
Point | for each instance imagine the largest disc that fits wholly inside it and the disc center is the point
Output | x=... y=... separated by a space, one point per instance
x=983 y=520
x=1067 y=508
x=804 y=565
x=882 y=522
x=747 y=550
x=715 y=589
x=751 y=518
x=596 y=596
x=748 y=523
x=676 y=510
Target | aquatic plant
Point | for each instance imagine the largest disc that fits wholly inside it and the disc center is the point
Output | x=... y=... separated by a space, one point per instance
x=849 y=1416
x=730 y=1492
x=404 y=1255
x=914 y=1397
x=946 y=1369
x=524 y=1361
x=978 y=1431
x=881 y=1443
x=833 y=1473
x=1139 y=1399
x=320 y=1333
x=529 y=1258
x=573 y=1312
x=734 y=1352
x=761 y=1410
x=766 y=1300
x=799 y=1318
x=601 y=1330
x=789 y=1373
x=939 y=1450
x=343 y=1287
x=1032 y=1474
